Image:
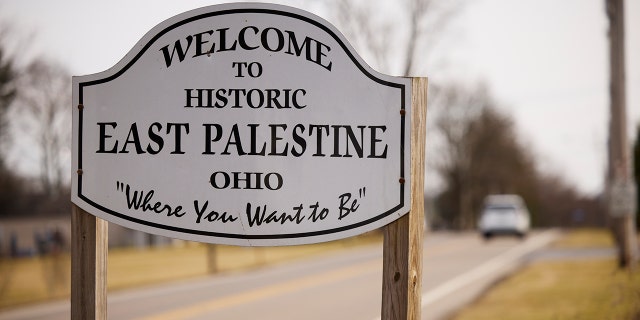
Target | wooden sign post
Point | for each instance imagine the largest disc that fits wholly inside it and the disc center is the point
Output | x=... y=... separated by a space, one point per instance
x=89 y=244
x=402 y=261
x=254 y=125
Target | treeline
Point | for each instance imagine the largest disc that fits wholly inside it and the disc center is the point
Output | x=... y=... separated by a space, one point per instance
x=478 y=153
x=35 y=123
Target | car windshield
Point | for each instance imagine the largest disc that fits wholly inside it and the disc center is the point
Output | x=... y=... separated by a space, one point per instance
x=503 y=209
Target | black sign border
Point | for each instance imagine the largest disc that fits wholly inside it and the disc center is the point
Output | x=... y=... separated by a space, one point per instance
x=318 y=24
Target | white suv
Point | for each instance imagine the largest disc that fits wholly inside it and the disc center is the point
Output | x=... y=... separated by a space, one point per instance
x=504 y=214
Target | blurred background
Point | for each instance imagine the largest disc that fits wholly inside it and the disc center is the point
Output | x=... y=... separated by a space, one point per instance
x=518 y=104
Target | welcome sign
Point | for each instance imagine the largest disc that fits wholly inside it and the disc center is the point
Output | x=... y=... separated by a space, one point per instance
x=244 y=124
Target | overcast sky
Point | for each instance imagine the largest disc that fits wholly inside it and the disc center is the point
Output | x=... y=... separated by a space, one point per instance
x=544 y=60
x=547 y=62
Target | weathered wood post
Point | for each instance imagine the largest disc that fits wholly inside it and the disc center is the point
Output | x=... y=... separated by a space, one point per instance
x=212 y=258
x=620 y=186
x=402 y=262
x=88 y=265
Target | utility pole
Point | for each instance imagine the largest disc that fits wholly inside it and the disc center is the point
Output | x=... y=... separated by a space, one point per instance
x=620 y=186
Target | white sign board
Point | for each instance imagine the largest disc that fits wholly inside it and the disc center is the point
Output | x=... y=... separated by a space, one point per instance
x=622 y=197
x=245 y=124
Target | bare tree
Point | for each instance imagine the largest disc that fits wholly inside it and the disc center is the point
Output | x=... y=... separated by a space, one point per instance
x=387 y=31
x=458 y=109
x=12 y=185
x=8 y=85
x=479 y=155
x=365 y=30
x=44 y=113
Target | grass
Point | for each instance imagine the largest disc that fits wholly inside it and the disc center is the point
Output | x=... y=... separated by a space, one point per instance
x=584 y=289
x=586 y=238
x=33 y=279
x=562 y=290
x=38 y=279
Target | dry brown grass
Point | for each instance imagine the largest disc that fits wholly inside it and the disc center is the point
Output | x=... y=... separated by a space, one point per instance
x=29 y=280
x=586 y=238
x=585 y=289
x=593 y=289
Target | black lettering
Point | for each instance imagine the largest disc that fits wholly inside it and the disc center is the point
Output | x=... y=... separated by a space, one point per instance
x=374 y=141
x=235 y=135
x=221 y=98
x=248 y=38
x=272 y=99
x=178 y=135
x=190 y=97
x=306 y=44
x=200 y=42
x=299 y=140
x=353 y=140
x=247 y=180
x=336 y=141
x=177 y=48
x=267 y=181
x=295 y=99
x=320 y=54
x=253 y=73
x=239 y=66
x=250 y=99
x=133 y=138
x=103 y=136
x=236 y=93
x=254 y=138
x=153 y=135
x=212 y=216
x=214 y=182
x=275 y=139
x=259 y=217
x=198 y=211
x=242 y=40
x=144 y=202
x=315 y=215
x=297 y=50
x=208 y=138
x=265 y=40
x=318 y=129
x=346 y=210
x=223 y=41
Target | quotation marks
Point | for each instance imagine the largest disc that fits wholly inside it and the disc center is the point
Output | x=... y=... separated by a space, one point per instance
x=119 y=186
x=363 y=192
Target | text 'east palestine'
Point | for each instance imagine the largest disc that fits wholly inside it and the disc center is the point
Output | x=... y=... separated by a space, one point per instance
x=253 y=139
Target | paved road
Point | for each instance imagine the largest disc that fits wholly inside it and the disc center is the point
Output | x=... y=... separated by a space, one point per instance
x=345 y=285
